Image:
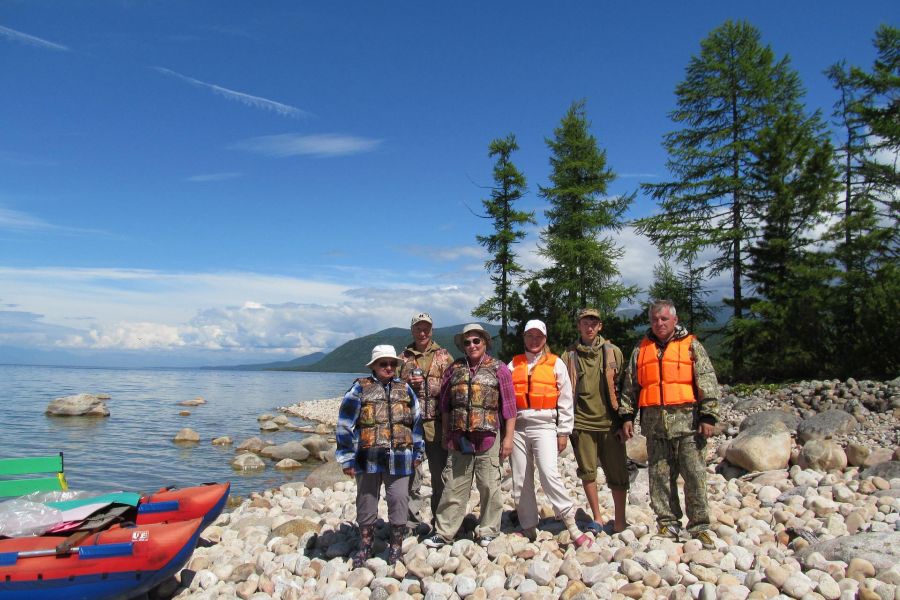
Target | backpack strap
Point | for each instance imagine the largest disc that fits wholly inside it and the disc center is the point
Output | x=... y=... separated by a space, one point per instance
x=611 y=369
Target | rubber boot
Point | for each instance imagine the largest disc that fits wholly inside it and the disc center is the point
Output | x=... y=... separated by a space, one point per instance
x=398 y=534
x=366 y=539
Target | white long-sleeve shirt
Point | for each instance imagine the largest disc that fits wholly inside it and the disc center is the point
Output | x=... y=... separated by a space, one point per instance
x=565 y=405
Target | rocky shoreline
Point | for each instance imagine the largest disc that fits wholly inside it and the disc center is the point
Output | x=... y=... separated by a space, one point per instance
x=804 y=487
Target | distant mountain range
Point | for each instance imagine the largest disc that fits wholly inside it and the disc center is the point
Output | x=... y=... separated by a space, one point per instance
x=352 y=356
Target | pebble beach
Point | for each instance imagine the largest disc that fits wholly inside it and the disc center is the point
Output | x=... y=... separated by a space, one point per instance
x=804 y=490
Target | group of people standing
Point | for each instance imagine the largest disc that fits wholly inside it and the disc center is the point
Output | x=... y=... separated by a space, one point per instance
x=466 y=416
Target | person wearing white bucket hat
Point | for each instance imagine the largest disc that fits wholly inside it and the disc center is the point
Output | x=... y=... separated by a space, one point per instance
x=379 y=441
x=544 y=421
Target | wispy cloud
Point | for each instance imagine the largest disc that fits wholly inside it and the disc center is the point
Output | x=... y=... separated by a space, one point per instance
x=15 y=220
x=284 y=110
x=324 y=145
x=637 y=175
x=448 y=253
x=18 y=36
x=214 y=177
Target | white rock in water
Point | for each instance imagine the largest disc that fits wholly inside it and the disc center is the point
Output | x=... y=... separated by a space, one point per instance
x=81 y=405
x=186 y=435
x=247 y=462
x=194 y=402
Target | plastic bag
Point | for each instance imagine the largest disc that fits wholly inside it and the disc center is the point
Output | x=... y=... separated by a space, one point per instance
x=20 y=518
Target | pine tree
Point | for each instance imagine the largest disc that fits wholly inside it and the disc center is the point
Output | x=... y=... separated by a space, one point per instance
x=509 y=187
x=732 y=90
x=583 y=256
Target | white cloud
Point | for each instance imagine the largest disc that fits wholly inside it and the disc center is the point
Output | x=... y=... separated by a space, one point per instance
x=284 y=110
x=324 y=145
x=214 y=177
x=15 y=220
x=18 y=36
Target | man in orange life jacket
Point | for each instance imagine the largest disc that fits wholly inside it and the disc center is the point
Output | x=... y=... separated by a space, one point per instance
x=544 y=420
x=672 y=381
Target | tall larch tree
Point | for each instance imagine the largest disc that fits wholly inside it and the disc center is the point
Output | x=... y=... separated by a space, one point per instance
x=732 y=90
x=509 y=187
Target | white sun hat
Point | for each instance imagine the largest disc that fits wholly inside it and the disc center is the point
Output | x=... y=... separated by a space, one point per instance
x=382 y=351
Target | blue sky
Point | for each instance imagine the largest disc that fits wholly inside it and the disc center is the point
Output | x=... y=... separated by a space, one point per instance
x=220 y=182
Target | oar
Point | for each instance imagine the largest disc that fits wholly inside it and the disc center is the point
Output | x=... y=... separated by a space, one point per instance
x=84 y=552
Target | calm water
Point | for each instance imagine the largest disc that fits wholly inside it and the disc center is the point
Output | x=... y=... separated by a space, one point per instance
x=132 y=448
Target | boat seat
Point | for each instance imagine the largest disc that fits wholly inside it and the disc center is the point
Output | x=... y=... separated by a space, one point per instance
x=21 y=476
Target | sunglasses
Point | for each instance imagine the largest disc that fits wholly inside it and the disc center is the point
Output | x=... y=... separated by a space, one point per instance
x=386 y=365
x=472 y=342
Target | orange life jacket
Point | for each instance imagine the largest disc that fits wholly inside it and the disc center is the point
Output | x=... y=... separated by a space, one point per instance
x=536 y=390
x=666 y=380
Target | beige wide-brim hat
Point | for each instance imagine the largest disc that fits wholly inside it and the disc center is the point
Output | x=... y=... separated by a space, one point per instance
x=382 y=351
x=472 y=328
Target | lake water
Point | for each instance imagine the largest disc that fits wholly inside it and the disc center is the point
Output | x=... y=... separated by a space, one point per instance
x=132 y=449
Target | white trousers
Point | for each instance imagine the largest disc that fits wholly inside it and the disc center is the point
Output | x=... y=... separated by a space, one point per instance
x=534 y=444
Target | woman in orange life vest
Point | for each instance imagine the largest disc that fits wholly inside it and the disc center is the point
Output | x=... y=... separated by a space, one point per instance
x=544 y=419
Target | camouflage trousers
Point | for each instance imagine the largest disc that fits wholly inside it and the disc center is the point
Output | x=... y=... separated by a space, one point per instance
x=669 y=458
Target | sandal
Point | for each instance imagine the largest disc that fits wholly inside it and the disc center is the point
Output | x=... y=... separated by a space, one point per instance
x=594 y=527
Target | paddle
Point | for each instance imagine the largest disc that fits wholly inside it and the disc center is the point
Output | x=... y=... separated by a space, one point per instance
x=7 y=559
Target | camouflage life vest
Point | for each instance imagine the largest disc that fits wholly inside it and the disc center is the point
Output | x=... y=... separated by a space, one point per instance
x=383 y=422
x=475 y=400
x=430 y=392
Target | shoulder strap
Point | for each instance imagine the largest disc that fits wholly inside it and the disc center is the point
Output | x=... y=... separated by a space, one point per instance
x=611 y=369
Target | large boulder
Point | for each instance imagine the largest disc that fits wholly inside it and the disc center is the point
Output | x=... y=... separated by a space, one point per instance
x=294 y=450
x=882 y=549
x=822 y=455
x=80 y=405
x=248 y=462
x=319 y=447
x=253 y=444
x=826 y=425
x=325 y=476
x=767 y=417
x=763 y=448
x=186 y=436
x=886 y=470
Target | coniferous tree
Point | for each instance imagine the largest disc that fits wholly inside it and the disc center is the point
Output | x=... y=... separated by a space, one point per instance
x=790 y=330
x=732 y=90
x=583 y=257
x=686 y=290
x=509 y=187
x=867 y=235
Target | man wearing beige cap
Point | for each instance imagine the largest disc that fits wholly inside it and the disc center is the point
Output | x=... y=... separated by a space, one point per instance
x=593 y=365
x=423 y=366
x=544 y=420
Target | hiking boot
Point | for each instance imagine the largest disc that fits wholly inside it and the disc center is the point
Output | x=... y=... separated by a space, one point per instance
x=705 y=538
x=435 y=541
x=395 y=551
x=366 y=539
x=671 y=532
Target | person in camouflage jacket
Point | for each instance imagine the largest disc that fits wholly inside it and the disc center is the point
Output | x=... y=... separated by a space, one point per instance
x=670 y=378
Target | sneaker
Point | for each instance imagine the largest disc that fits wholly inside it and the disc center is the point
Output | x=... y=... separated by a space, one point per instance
x=706 y=539
x=671 y=532
x=435 y=541
x=485 y=540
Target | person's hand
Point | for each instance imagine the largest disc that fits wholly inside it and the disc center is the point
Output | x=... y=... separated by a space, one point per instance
x=561 y=441
x=506 y=448
x=626 y=432
x=416 y=381
x=349 y=471
x=706 y=429
x=417 y=462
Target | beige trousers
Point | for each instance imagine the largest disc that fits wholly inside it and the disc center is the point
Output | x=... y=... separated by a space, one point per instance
x=534 y=445
x=461 y=470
